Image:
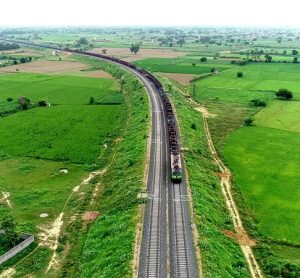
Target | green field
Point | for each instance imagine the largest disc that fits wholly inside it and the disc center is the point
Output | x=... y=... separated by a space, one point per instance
x=181 y=65
x=68 y=130
x=268 y=182
x=36 y=144
x=262 y=76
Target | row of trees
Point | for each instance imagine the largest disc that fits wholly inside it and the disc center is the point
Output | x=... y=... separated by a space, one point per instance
x=8 y=46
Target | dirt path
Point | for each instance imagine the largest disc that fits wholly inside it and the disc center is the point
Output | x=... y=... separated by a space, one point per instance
x=5 y=198
x=241 y=235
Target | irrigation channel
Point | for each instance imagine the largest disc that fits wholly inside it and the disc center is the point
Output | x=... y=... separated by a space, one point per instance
x=167 y=243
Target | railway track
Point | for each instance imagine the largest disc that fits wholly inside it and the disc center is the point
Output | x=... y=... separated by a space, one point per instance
x=161 y=240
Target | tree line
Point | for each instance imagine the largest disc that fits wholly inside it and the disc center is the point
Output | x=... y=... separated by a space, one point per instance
x=8 y=46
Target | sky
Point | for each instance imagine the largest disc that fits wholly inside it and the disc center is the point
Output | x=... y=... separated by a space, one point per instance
x=150 y=12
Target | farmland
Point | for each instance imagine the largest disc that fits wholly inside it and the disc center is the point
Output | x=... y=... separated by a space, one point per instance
x=265 y=181
x=47 y=152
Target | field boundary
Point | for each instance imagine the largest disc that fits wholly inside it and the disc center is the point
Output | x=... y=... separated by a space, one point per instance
x=242 y=237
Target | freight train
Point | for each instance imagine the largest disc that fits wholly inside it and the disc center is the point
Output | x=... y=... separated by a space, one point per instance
x=175 y=164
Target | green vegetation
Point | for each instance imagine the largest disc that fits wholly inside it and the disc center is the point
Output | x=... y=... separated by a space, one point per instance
x=8 y=233
x=68 y=130
x=221 y=256
x=107 y=247
x=179 y=65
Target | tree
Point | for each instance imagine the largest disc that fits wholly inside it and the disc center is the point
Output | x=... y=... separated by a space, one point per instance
x=268 y=58
x=193 y=64
x=135 y=48
x=239 y=74
x=15 y=62
x=83 y=41
x=23 y=60
x=295 y=60
x=295 y=52
x=92 y=101
x=8 y=236
x=203 y=59
x=248 y=122
x=284 y=94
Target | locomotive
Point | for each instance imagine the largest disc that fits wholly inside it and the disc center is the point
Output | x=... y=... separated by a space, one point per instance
x=175 y=164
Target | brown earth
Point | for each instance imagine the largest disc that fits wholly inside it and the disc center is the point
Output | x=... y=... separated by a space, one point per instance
x=90 y=215
x=99 y=74
x=47 y=67
x=182 y=78
x=125 y=53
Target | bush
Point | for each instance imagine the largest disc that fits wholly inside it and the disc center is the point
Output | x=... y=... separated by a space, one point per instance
x=92 y=101
x=193 y=126
x=258 y=103
x=284 y=94
x=9 y=99
x=248 y=122
x=203 y=59
x=42 y=103
x=193 y=64
x=239 y=74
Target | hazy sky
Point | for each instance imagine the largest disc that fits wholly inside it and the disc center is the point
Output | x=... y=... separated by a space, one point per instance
x=161 y=12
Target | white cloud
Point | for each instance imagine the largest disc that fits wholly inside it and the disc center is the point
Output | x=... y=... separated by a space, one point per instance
x=150 y=12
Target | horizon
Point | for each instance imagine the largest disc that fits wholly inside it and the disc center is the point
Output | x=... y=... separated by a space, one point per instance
x=159 y=13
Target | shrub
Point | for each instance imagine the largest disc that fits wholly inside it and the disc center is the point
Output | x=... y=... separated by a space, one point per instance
x=258 y=103
x=9 y=99
x=193 y=126
x=92 y=101
x=194 y=64
x=284 y=94
x=239 y=74
x=203 y=59
x=42 y=103
x=248 y=122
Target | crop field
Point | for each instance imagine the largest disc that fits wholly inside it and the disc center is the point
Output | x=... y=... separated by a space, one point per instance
x=183 y=65
x=264 y=158
x=46 y=152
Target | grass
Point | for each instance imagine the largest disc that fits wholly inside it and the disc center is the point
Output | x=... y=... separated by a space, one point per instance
x=105 y=247
x=179 y=65
x=37 y=186
x=37 y=143
x=257 y=77
x=265 y=182
x=74 y=133
x=68 y=130
x=269 y=183
x=280 y=115
x=221 y=256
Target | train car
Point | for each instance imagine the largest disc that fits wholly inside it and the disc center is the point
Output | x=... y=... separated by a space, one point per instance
x=176 y=168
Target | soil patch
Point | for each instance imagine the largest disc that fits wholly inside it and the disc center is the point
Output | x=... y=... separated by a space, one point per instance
x=90 y=215
x=48 y=67
x=98 y=74
x=182 y=78
x=142 y=54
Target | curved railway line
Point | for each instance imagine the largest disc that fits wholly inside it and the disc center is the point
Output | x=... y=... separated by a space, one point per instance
x=161 y=239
